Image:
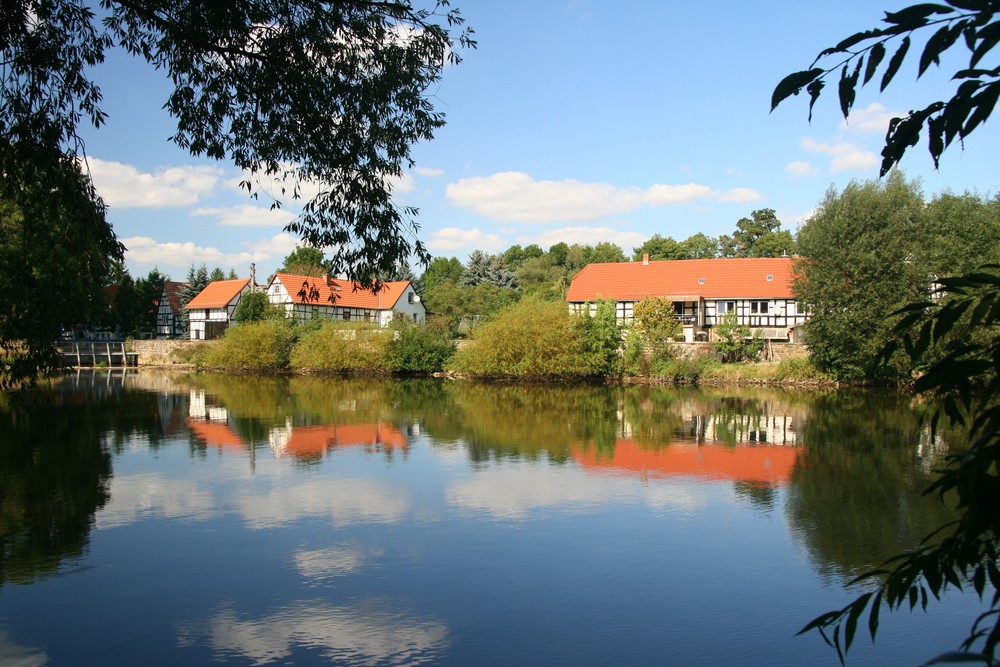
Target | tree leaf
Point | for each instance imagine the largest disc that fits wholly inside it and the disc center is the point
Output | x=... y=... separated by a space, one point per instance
x=814 y=88
x=915 y=16
x=875 y=56
x=895 y=62
x=939 y=42
x=792 y=84
x=848 y=88
x=989 y=36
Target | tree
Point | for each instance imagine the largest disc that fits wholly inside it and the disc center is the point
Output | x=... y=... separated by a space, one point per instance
x=305 y=261
x=760 y=235
x=700 y=246
x=441 y=269
x=216 y=274
x=255 y=307
x=966 y=379
x=734 y=343
x=331 y=94
x=862 y=259
x=659 y=248
x=57 y=253
x=954 y=22
x=486 y=268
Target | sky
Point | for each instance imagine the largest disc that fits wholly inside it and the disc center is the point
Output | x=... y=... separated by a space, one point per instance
x=573 y=121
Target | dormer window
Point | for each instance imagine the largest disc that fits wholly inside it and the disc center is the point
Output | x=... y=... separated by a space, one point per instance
x=770 y=277
x=701 y=281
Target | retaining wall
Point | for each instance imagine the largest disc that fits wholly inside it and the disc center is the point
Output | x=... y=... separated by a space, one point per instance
x=163 y=352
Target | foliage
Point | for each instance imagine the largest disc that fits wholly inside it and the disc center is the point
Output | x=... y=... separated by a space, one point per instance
x=734 y=343
x=255 y=307
x=760 y=235
x=968 y=22
x=862 y=260
x=461 y=307
x=304 y=260
x=416 y=348
x=343 y=346
x=532 y=338
x=649 y=345
x=963 y=553
x=265 y=345
x=603 y=339
x=485 y=268
x=57 y=252
x=301 y=96
x=441 y=269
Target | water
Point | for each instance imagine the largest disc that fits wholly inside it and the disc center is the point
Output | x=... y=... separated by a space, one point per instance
x=162 y=520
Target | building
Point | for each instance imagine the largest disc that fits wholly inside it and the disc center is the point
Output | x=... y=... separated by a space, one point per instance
x=308 y=297
x=211 y=312
x=170 y=321
x=758 y=290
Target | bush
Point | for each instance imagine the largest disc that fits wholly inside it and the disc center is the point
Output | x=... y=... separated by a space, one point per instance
x=342 y=347
x=255 y=307
x=801 y=369
x=419 y=349
x=734 y=344
x=254 y=346
x=530 y=338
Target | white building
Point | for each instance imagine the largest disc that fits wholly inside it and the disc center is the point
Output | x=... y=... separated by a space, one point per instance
x=308 y=297
x=211 y=311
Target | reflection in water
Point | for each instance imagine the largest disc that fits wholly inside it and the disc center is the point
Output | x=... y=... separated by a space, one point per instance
x=368 y=633
x=13 y=655
x=413 y=466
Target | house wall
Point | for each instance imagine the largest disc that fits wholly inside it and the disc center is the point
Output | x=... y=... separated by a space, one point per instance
x=408 y=305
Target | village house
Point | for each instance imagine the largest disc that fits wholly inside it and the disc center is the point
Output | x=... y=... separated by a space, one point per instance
x=758 y=290
x=211 y=311
x=308 y=297
x=170 y=321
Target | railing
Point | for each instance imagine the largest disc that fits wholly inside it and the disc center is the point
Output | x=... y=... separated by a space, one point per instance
x=88 y=354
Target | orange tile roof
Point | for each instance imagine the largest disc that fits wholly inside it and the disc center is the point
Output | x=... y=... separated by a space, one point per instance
x=214 y=433
x=218 y=294
x=767 y=464
x=685 y=280
x=322 y=291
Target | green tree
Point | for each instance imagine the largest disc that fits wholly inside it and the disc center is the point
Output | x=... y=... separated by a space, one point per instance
x=760 y=235
x=483 y=267
x=659 y=247
x=700 y=246
x=734 y=342
x=216 y=274
x=862 y=259
x=57 y=253
x=602 y=334
x=304 y=261
x=441 y=269
x=966 y=380
x=255 y=307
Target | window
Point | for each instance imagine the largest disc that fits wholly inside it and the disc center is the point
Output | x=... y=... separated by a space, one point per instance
x=770 y=277
x=724 y=307
x=409 y=297
x=347 y=314
x=758 y=307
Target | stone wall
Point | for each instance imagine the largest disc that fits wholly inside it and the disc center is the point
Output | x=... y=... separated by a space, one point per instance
x=163 y=352
x=772 y=351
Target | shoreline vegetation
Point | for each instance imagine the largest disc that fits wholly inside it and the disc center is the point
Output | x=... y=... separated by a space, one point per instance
x=533 y=342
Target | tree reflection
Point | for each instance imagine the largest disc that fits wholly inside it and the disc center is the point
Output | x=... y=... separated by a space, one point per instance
x=55 y=469
x=857 y=492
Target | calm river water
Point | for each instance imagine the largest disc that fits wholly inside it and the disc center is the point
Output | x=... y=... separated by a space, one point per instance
x=160 y=519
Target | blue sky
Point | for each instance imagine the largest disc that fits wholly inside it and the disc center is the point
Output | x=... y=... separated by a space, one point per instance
x=574 y=120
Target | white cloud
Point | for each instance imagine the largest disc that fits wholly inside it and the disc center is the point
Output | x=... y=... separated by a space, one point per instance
x=589 y=236
x=453 y=238
x=146 y=251
x=428 y=172
x=345 y=501
x=278 y=245
x=331 y=562
x=800 y=168
x=517 y=197
x=846 y=157
x=134 y=497
x=124 y=186
x=247 y=215
x=873 y=118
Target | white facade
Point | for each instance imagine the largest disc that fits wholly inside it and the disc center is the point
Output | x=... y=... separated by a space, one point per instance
x=304 y=303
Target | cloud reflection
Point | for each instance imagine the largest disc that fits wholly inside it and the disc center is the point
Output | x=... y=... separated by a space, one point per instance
x=135 y=496
x=345 y=501
x=15 y=655
x=365 y=633
x=334 y=561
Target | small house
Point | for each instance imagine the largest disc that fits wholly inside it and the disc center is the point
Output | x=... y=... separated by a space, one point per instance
x=211 y=311
x=308 y=297
x=170 y=321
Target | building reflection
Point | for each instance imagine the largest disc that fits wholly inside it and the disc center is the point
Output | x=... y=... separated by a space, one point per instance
x=315 y=441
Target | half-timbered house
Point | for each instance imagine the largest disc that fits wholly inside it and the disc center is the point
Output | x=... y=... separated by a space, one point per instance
x=758 y=290
x=211 y=311
x=308 y=297
x=170 y=321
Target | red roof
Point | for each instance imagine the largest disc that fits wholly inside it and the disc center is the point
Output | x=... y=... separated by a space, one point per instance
x=766 y=464
x=218 y=294
x=685 y=280
x=322 y=291
x=214 y=433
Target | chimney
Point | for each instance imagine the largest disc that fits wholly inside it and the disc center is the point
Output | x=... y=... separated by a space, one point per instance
x=645 y=259
x=253 y=277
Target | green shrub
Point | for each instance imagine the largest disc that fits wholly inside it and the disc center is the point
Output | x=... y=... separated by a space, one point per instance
x=253 y=346
x=335 y=346
x=802 y=369
x=419 y=349
x=530 y=338
x=602 y=336
x=735 y=344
